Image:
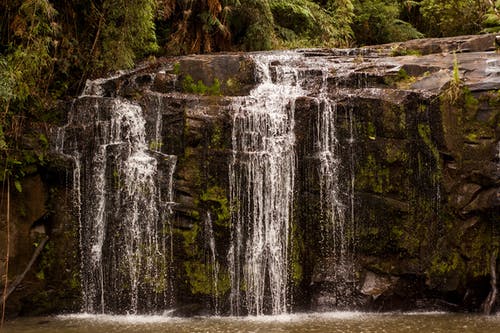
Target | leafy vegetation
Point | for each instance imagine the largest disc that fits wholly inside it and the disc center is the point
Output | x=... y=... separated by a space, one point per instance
x=453 y=17
x=379 y=21
x=491 y=20
x=306 y=23
x=200 y=88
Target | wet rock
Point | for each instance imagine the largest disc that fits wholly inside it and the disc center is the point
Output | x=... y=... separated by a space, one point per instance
x=472 y=43
x=488 y=199
x=463 y=195
x=374 y=285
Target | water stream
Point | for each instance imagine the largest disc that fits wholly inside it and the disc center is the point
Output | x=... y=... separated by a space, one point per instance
x=336 y=322
x=262 y=175
x=262 y=184
x=121 y=211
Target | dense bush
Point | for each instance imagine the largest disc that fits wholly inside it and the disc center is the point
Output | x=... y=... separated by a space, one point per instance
x=491 y=20
x=304 y=23
x=453 y=17
x=378 y=21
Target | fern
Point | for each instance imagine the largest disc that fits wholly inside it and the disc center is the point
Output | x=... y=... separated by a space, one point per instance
x=491 y=20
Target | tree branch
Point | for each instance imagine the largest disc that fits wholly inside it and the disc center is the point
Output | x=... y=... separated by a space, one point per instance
x=20 y=278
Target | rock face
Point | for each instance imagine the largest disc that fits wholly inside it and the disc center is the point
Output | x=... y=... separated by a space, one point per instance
x=412 y=156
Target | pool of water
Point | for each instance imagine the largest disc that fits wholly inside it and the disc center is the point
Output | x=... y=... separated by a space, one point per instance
x=336 y=322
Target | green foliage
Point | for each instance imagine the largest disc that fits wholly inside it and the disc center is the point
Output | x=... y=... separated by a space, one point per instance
x=305 y=23
x=27 y=61
x=401 y=51
x=454 y=90
x=18 y=186
x=200 y=88
x=215 y=199
x=195 y=26
x=252 y=25
x=373 y=176
x=491 y=20
x=177 y=68
x=128 y=32
x=452 y=17
x=378 y=22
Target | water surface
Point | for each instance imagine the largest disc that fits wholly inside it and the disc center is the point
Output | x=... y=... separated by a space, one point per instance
x=336 y=322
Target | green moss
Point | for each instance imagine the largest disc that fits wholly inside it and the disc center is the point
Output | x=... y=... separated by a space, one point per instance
x=401 y=80
x=394 y=153
x=198 y=279
x=424 y=131
x=117 y=183
x=371 y=131
x=403 y=51
x=216 y=199
x=177 y=68
x=472 y=137
x=471 y=104
x=201 y=279
x=373 y=176
x=155 y=145
x=216 y=139
x=194 y=214
x=190 y=236
x=407 y=238
x=443 y=264
x=397 y=232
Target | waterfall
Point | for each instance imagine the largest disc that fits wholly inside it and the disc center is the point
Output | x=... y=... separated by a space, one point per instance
x=214 y=264
x=123 y=192
x=123 y=214
x=262 y=173
x=336 y=192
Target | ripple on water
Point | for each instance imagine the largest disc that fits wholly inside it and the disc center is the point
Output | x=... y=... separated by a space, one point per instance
x=328 y=322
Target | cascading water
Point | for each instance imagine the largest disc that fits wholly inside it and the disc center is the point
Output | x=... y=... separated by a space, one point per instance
x=262 y=175
x=126 y=233
x=214 y=264
x=314 y=120
x=123 y=216
x=337 y=217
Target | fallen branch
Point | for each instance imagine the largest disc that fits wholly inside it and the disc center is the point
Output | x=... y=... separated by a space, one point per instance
x=20 y=278
x=490 y=301
x=7 y=252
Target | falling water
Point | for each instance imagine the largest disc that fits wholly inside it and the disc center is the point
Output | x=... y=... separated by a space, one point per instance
x=498 y=157
x=214 y=264
x=336 y=207
x=262 y=175
x=123 y=217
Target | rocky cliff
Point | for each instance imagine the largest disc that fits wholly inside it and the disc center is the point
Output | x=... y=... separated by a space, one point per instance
x=412 y=158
